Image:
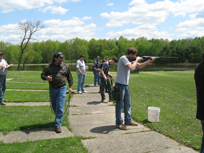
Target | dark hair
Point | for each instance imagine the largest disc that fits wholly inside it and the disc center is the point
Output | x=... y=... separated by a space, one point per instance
x=103 y=60
x=132 y=50
x=115 y=59
x=202 y=56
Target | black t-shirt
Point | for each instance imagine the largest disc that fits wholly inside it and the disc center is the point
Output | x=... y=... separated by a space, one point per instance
x=199 y=81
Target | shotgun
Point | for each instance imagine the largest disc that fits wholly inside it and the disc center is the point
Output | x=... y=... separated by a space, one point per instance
x=148 y=57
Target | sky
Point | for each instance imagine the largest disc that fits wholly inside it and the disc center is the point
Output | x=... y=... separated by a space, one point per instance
x=103 y=19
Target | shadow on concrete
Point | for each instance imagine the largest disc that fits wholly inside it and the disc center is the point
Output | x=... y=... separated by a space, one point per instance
x=103 y=129
x=38 y=127
x=94 y=103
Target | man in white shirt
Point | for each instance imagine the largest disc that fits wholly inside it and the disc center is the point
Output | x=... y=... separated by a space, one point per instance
x=3 y=72
x=81 y=73
x=123 y=74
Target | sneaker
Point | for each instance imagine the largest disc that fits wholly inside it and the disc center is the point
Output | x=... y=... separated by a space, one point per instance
x=121 y=127
x=84 y=91
x=2 y=103
x=104 y=101
x=132 y=123
x=5 y=100
x=79 y=92
x=110 y=100
x=95 y=85
x=58 y=129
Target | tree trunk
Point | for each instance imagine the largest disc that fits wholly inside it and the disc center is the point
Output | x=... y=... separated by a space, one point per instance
x=19 y=62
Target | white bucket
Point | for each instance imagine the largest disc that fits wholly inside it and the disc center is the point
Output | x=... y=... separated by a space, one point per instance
x=153 y=114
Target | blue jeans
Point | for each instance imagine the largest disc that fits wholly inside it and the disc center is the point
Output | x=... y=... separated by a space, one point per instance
x=81 y=81
x=57 y=97
x=2 y=88
x=202 y=144
x=123 y=103
x=96 y=78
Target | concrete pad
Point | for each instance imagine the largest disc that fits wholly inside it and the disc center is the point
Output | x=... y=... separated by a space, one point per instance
x=99 y=125
x=1 y=136
x=15 y=136
x=177 y=149
x=129 y=143
x=48 y=133
x=92 y=110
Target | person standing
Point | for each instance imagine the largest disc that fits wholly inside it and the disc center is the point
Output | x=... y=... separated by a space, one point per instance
x=57 y=73
x=81 y=73
x=96 y=70
x=199 y=82
x=105 y=79
x=3 y=72
x=122 y=80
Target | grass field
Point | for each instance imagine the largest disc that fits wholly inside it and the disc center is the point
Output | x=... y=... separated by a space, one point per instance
x=173 y=91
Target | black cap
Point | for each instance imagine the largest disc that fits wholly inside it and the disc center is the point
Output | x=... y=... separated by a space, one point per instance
x=1 y=53
x=58 y=54
x=82 y=56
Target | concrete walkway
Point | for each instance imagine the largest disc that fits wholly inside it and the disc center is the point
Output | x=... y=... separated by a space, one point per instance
x=91 y=118
x=95 y=119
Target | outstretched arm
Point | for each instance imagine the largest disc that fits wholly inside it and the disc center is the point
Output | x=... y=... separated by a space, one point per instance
x=141 y=65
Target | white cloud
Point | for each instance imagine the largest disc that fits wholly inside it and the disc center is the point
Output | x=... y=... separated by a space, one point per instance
x=65 y=23
x=191 y=28
x=147 y=30
x=87 y=18
x=9 y=5
x=55 y=10
x=110 y=4
x=60 y=30
x=141 y=12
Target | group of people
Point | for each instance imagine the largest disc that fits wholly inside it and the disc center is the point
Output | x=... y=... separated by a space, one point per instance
x=58 y=73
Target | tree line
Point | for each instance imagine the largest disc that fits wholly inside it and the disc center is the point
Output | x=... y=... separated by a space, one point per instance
x=187 y=50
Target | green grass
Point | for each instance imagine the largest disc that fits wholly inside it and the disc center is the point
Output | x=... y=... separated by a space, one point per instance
x=175 y=94
x=64 y=145
x=27 y=96
x=14 y=118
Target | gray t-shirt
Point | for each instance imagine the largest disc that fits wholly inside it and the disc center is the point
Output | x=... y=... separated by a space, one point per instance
x=123 y=72
x=3 y=71
x=81 y=65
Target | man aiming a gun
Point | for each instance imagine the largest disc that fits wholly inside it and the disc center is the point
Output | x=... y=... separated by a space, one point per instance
x=122 y=80
x=105 y=79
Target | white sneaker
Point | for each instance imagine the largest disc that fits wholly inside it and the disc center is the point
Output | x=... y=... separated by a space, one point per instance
x=79 y=92
x=84 y=91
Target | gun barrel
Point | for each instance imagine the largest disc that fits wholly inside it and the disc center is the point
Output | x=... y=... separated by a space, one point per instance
x=158 y=57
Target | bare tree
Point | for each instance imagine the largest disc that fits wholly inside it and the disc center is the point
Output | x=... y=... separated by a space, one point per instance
x=29 y=28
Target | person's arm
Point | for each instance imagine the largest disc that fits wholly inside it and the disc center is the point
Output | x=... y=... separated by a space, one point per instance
x=135 y=64
x=94 y=66
x=77 y=67
x=102 y=72
x=69 y=79
x=45 y=75
x=141 y=65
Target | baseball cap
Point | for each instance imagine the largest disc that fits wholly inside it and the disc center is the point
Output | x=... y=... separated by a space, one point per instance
x=98 y=56
x=58 y=54
x=1 y=53
x=82 y=56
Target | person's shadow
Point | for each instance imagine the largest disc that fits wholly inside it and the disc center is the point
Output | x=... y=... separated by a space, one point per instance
x=93 y=103
x=37 y=127
x=103 y=129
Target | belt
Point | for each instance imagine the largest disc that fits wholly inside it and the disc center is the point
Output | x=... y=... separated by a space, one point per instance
x=3 y=75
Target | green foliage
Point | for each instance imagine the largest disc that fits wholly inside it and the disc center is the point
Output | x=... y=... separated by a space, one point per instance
x=188 y=50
